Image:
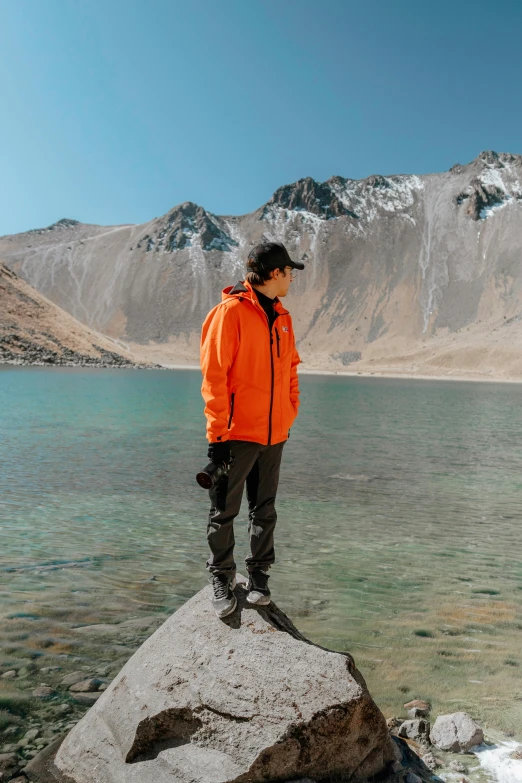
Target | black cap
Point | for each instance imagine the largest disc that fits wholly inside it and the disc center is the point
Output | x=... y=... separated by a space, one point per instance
x=270 y=255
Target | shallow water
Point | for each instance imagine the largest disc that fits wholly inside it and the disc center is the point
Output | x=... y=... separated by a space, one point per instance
x=399 y=534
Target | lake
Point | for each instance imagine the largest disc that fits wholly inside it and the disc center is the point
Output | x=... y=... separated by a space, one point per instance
x=399 y=535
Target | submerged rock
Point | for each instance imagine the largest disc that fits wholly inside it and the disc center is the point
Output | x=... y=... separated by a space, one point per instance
x=458 y=766
x=457 y=732
x=212 y=701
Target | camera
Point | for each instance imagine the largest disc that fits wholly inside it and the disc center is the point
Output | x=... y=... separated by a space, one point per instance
x=209 y=476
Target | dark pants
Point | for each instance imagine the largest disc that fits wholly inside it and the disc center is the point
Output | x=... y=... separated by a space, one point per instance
x=259 y=466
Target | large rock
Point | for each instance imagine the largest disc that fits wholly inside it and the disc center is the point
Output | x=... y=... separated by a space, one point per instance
x=417 y=730
x=457 y=732
x=244 y=699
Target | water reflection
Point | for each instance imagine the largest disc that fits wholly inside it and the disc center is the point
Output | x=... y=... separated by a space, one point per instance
x=399 y=531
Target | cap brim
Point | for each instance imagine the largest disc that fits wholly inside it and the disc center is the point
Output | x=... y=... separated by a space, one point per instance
x=296 y=265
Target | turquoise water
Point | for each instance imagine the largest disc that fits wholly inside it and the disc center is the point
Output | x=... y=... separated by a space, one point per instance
x=399 y=534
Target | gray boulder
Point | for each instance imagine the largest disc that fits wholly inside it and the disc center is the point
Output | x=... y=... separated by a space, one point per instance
x=457 y=732
x=229 y=701
x=72 y=678
x=417 y=730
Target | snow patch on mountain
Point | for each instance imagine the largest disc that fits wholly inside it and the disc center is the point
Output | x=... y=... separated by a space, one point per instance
x=371 y=197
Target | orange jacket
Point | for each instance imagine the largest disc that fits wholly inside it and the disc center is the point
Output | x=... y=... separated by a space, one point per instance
x=250 y=383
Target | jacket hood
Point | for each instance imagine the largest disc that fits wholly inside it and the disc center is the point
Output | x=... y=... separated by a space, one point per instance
x=243 y=290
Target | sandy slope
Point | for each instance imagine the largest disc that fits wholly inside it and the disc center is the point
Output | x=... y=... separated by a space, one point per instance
x=492 y=352
x=34 y=329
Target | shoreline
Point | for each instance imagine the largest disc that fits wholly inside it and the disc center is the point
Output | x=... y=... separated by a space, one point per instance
x=463 y=378
x=377 y=374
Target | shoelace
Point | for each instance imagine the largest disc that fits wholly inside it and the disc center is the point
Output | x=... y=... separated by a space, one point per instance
x=220 y=586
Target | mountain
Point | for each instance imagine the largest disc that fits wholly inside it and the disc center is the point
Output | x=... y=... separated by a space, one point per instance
x=417 y=274
x=35 y=331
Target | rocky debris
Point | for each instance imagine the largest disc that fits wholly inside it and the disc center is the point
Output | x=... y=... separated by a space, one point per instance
x=63 y=709
x=17 y=349
x=310 y=196
x=458 y=766
x=92 y=684
x=182 y=227
x=394 y=723
x=431 y=761
x=11 y=731
x=39 y=768
x=479 y=196
x=72 y=678
x=408 y=763
x=9 y=765
x=193 y=703
x=347 y=357
x=43 y=692
x=9 y=675
x=416 y=730
x=22 y=309
x=497 y=160
x=418 y=708
x=457 y=732
x=516 y=754
x=60 y=224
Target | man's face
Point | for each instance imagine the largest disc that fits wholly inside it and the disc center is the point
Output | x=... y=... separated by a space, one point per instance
x=283 y=280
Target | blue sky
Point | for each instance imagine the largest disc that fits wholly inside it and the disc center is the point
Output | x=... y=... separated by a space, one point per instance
x=113 y=111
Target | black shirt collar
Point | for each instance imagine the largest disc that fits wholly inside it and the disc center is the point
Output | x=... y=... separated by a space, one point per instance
x=264 y=300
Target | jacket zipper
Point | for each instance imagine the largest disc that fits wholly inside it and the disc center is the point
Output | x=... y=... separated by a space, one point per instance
x=232 y=398
x=271 y=373
x=277 y=338
x=271 y=387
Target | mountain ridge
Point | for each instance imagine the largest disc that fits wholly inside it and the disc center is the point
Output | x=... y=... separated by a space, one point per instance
x=491 y=157
x=391 y=262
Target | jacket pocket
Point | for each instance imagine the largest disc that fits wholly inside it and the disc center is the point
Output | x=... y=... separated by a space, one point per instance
x=232 y=398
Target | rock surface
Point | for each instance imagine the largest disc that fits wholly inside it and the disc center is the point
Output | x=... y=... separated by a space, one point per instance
x=245 y=699
x=417 y=730
x=457 y=732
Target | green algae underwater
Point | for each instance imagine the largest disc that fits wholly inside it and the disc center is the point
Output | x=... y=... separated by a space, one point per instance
x=399 y=535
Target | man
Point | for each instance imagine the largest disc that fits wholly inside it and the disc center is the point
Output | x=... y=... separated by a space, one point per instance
x=249 y=364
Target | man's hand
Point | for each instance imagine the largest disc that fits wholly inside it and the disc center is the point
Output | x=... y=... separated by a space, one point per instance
x=219 y=453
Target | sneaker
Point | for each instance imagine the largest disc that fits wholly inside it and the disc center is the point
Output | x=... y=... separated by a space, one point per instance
x=258 y=592
x=224 y=601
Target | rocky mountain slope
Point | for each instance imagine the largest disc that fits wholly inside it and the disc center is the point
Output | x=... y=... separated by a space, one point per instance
x=417 y=274
x=35 y=331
